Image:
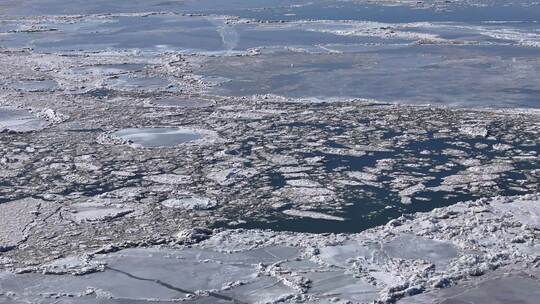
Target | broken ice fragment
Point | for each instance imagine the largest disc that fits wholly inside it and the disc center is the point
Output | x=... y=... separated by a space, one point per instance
x=169 y=179
x=303 y=183
x=407 y=193
x=363 y=176
x=501 y=147
x=95 y=212
x=474 y=131
x=313 y=214
x=190 y=202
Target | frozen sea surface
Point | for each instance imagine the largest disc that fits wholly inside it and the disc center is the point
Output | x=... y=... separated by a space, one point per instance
x=466 y=53
x=269 y=151
x=449 y=64
x=389 y=11
x=161 y=53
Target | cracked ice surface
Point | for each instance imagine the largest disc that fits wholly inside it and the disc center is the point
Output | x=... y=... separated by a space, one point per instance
x=145 y=144
x=449 y=247
x=17 y=218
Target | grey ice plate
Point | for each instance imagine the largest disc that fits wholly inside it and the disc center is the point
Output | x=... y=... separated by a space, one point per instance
x=157 y=137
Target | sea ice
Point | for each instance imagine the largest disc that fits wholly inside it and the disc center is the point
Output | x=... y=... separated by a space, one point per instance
x=190 y=202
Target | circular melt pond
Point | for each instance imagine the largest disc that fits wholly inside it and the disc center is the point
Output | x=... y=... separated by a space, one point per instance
x=19 y=120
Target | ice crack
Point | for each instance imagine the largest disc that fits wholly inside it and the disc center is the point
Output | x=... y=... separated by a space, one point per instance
x=171 y=287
